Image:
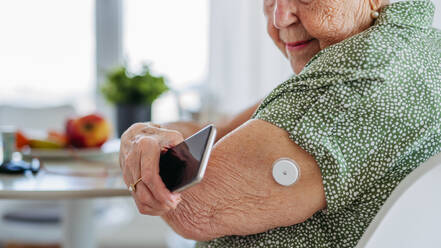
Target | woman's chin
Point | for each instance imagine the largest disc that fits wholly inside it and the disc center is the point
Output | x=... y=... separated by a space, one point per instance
x=299 y=61
x=297 y=66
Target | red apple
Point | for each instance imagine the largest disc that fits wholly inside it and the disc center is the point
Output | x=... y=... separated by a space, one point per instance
x=87 y=131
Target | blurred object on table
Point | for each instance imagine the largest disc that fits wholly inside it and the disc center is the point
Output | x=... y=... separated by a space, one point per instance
x=108 y=152
x=84 y=137
x=25 y=223
x=10 y=164
x=87 y=131
x=44 y=118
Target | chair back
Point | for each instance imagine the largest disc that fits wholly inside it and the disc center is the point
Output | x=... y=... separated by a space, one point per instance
x=411 y=216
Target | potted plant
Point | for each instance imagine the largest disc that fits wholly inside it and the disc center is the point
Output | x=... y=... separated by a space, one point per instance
x=133 y=94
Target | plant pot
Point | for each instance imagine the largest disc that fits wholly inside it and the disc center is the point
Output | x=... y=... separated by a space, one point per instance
x=127 y=114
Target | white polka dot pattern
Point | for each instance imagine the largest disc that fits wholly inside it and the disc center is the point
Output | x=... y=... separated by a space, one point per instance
x=368 y=109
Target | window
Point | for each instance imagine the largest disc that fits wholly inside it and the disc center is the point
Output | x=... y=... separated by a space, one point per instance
x=47 y=53
x=172 y=36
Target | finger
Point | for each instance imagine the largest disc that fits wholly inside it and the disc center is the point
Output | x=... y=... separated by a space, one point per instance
x=144 y=196
x=153 y=124
x=147 y=210
x=150 y=151
x=128 y=144
x=127 y=177
x=166 y=137
x=131 y=131
x=137 y=127
x=133 y=162
x=170 y=138
x=130 y=148
x=126 y=166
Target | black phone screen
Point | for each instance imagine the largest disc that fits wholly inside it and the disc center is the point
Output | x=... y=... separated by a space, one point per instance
x=180 y=165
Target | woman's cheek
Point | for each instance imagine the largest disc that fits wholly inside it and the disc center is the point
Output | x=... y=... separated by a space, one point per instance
x=327 y=30
x=274 y=34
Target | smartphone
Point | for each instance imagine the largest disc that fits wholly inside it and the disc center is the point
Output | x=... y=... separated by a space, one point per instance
x=184 y=165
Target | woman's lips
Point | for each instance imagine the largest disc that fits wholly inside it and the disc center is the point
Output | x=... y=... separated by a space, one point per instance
x=295 y=46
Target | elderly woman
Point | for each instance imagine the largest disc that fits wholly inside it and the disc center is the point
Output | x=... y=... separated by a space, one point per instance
x=363 y=111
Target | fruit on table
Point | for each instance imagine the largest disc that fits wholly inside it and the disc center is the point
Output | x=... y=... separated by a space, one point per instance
x=57 y=137
x=20 y=140
x=87 y=131
x=51 y=142
x=44 y=144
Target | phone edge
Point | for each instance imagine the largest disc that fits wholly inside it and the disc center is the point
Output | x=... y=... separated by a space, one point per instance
x=204 y=161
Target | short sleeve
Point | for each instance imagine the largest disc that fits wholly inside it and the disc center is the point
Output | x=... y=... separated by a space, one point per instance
x=355 y=131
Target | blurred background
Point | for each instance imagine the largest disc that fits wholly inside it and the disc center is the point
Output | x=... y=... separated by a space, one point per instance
x=214 y=55
x=58 y=52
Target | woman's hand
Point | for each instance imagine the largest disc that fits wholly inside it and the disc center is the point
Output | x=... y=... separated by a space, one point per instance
x=141 y=147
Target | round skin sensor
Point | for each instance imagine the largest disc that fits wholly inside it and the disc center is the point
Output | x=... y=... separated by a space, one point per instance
x=285 y=171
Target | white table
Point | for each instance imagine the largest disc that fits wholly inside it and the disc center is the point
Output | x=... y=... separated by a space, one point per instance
x=76 y=192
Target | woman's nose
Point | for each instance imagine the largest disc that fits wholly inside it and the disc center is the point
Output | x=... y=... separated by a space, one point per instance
x=284 y=14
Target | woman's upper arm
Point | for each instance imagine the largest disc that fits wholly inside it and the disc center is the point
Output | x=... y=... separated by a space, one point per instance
x=239 y=196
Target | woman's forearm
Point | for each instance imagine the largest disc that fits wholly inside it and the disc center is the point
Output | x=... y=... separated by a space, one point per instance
x=187 y=128
x=193 y=218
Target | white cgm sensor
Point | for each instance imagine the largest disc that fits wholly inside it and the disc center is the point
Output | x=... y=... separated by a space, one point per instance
x=285 y=171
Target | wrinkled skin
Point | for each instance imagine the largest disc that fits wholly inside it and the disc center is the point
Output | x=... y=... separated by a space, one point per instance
x=200 y=212
x=141 y=146
x=327 y=22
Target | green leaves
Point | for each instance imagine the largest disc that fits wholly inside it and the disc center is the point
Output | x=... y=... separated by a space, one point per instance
x=123 y=87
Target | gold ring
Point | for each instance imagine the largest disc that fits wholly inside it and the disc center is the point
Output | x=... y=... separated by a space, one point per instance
x=132 y=187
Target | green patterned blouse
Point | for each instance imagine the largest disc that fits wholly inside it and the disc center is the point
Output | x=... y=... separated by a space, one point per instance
x=368 y=109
